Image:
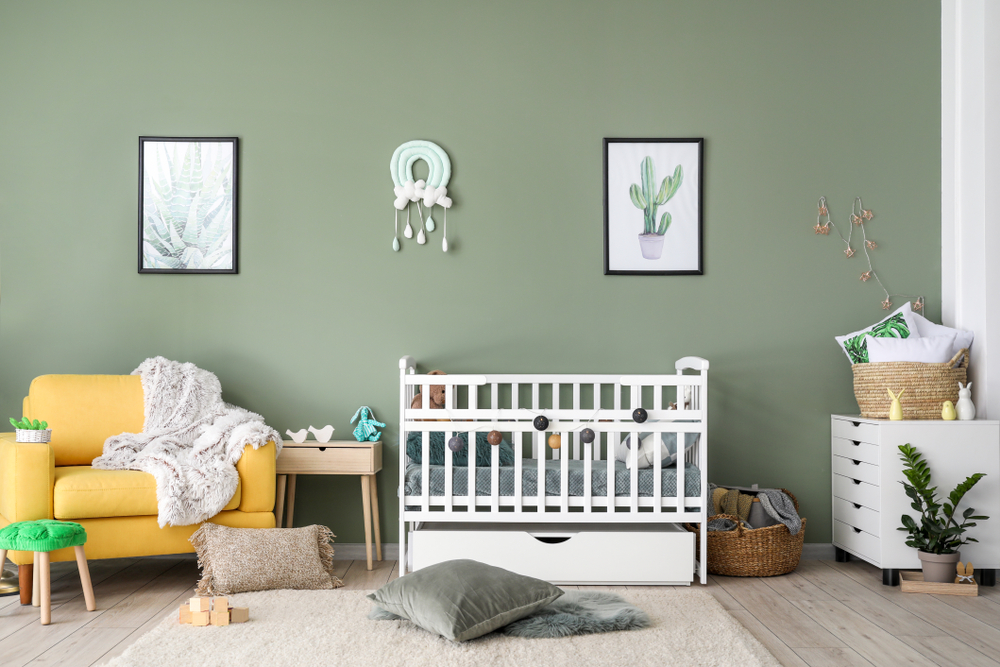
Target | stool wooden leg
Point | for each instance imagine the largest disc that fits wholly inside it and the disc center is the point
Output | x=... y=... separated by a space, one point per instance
x=45 y=584
x=378 y=530
x=36 y=572
x=290 y=504
x=366 y=503
x=279 y=500
x=25 y=577
x=88 y=588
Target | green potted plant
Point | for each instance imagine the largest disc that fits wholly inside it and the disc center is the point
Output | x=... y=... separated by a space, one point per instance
x=939 y=535
x=648 y=199
x=32 y=431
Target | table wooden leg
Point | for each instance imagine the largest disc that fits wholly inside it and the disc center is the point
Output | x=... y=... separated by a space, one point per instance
x=88 y=588
x=36 y=572
x=279 y=500
x=366 y=503
x=25 y=579
x=378 y=530
x=45 y=582
x=291 y=500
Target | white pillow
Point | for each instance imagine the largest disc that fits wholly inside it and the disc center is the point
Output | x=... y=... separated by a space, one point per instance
x=963 y=339
x=647 y=449
x=932 y=350
x=901 y=324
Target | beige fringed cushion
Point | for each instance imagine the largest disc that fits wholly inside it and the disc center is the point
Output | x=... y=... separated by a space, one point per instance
x=236 y=560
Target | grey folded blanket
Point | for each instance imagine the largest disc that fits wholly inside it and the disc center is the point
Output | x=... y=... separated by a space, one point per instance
x=780 y=507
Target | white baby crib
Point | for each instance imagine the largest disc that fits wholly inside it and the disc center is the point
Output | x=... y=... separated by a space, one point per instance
x=547 y=515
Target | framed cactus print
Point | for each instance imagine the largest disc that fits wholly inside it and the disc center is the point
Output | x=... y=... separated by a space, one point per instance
x=653 y=207
x=188 y=204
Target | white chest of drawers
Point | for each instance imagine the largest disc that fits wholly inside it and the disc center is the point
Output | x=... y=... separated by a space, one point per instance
x=868 y=496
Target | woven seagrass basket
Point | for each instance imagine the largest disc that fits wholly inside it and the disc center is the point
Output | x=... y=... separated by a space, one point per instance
x=927 y=386
x=761 y=552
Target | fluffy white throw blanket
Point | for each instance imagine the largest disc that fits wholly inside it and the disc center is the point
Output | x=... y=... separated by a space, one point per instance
x=190 y=441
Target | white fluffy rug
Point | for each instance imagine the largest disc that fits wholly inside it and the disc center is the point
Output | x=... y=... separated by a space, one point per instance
x=331 y=628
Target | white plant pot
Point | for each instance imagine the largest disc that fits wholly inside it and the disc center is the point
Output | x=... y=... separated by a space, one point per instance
x=651 y=245
x=31 y=435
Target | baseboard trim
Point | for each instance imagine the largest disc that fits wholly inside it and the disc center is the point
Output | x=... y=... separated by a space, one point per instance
x=356 y=551
x=817 y=551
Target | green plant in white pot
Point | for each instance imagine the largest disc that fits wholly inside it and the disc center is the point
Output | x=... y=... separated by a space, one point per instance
x=939 y=535
x=32 y=431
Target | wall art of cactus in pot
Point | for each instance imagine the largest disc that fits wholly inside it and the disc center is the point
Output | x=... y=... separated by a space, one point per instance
x=648 y=199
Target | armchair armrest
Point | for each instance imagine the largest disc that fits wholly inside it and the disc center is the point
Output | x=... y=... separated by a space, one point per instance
x=256 y=469
x=27 y=475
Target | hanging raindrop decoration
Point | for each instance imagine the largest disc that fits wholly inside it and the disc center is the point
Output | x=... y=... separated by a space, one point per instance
x=424 y=193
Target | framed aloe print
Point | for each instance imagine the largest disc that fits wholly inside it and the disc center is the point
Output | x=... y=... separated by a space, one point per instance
x=653 y=206
x=187 y=204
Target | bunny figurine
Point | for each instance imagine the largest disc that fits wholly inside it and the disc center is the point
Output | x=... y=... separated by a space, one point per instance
x=966 y=409
x=895 y=410
x=965 y=573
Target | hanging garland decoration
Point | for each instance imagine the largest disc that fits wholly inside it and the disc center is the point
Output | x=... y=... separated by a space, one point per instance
x=424 y=193
x=859 y=216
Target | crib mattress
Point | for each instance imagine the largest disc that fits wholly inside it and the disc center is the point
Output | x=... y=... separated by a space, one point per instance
x=553 y=472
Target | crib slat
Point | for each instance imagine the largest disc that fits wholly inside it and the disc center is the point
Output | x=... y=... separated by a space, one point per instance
x=555 y=453
x=518 y=436
x=588 y=496
x=425 y=460
x=612 y=448
x=472 y=450
x=681 y=489
x=449 y=456
x=576 y=406
x=597 y=406
x=564 y=478
x=534 y=408
x=634 y=453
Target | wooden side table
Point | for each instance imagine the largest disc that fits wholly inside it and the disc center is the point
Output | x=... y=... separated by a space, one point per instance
x=338 y=457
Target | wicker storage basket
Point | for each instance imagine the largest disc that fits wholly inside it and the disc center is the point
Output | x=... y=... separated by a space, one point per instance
x=32 y=435
x=927 y=386
x=762 y=552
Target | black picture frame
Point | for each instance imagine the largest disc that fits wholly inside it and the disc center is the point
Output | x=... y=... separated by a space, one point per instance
x=166 y=244
x=627 y=256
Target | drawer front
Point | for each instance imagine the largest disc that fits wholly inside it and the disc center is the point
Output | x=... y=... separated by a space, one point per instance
x=857 y=515
x=345 y=460
x=859 y=431
x=855 y=450
x=855 y=469
x=856 y=492
x=566 y=557
x=857 y=541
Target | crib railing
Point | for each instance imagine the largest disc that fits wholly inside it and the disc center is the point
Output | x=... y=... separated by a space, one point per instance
x=604 y=403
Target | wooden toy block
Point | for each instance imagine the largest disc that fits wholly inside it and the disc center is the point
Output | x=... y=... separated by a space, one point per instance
x=201 y=604
x=220 y=617
x=239 y=614
x=185 y=614
x=220 y=603
x=201 y=618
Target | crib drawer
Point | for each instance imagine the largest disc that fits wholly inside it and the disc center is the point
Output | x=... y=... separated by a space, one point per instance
x=857 y=515
x=856 y=450
x=586 y=554
x=857 y=541
x=854 y=430
x=856 y=491
x=855 y=469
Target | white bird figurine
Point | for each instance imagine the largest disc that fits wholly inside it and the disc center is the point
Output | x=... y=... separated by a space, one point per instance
x=323 y=434
x=298 y=436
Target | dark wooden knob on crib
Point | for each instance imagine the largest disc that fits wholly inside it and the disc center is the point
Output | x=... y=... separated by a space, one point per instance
x=639 y=415
x=541 y=423
x=456 y=444
x=587 y=435
x=494 y=438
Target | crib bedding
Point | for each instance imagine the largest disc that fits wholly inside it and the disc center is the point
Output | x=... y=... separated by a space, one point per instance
x=553 y=473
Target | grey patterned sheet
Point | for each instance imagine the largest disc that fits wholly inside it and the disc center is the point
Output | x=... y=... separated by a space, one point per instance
x=529 y=480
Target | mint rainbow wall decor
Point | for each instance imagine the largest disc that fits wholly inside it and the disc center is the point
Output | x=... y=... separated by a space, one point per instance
x=425 y=193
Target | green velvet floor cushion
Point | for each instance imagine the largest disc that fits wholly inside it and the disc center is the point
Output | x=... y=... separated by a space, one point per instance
x=42 y=535
x=464 y=599
x=436 y=444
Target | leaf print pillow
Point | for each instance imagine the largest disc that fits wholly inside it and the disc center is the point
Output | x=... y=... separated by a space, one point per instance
x=900 y=324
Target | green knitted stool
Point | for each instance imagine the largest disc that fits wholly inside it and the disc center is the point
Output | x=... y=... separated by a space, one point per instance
x=41 y=537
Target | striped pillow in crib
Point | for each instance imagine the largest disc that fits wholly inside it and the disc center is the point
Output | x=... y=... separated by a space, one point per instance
x=484 y=450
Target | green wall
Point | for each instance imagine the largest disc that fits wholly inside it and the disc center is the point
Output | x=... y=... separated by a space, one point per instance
x=795 y=100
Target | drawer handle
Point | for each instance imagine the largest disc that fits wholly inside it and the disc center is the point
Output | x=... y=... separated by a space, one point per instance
x=856 y=462
x=856 y=530
x=322 y=449
x=856 y=481
x=856 y=424
x=551 y=540
x=856 y=443
x=857 y=506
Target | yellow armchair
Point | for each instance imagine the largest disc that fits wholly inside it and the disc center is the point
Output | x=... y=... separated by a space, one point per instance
x=117 y=507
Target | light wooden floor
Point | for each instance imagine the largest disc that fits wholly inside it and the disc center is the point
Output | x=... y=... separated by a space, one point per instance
x=824 y=614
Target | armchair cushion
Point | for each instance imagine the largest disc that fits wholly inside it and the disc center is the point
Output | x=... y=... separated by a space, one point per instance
x=85 y=410
x=82 y=492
